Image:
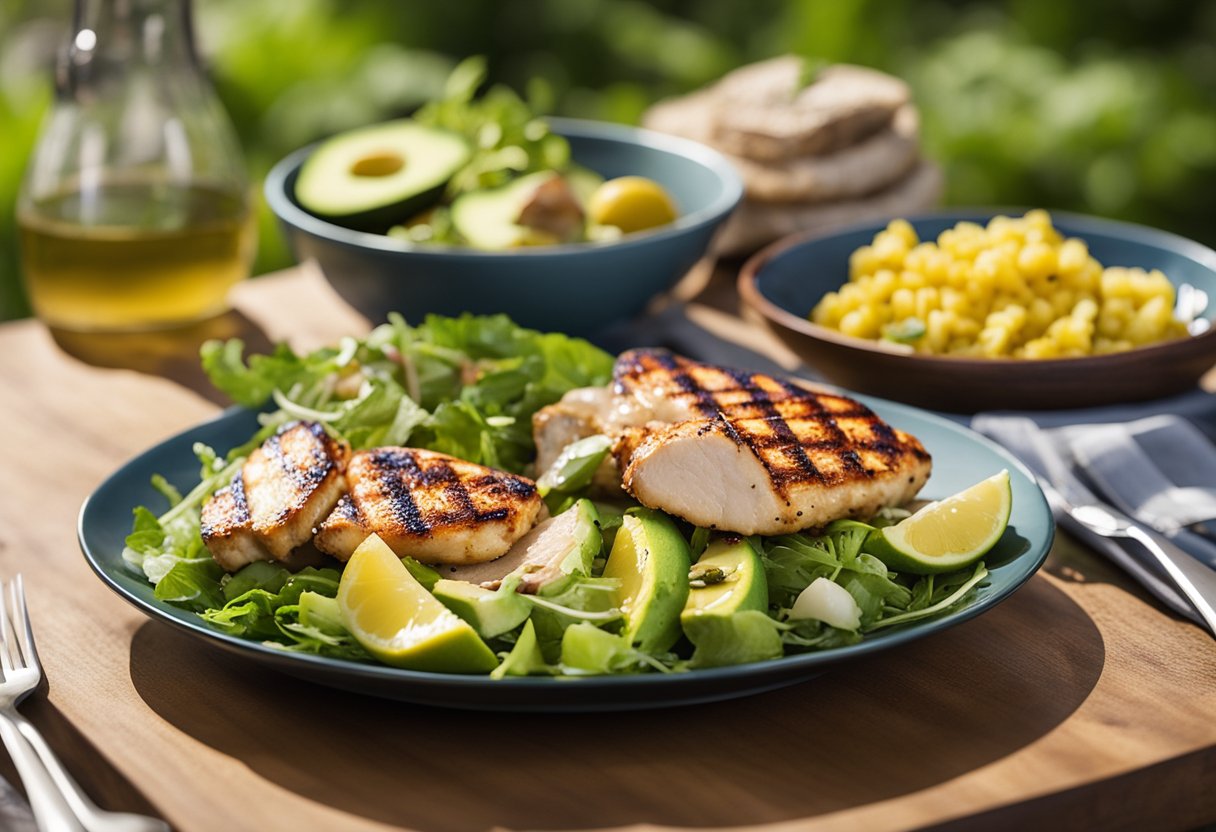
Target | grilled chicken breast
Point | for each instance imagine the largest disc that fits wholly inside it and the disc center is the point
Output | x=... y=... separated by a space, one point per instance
x=758 y=454
x=429 y=505
x=778 y=474
x=653 y=385
x=280 y=494
x=737 y=451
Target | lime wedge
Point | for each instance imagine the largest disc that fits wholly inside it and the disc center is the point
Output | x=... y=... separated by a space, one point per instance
x=949 y=534
x=399 y=622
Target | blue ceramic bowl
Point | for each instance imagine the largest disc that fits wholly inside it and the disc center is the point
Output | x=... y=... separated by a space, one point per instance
x=579 y=288
x=785 y=281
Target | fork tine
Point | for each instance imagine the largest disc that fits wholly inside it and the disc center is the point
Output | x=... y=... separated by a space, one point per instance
x=6 y=636
x=25 y=633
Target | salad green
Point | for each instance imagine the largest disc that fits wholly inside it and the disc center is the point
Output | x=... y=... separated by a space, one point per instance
x=468 y=386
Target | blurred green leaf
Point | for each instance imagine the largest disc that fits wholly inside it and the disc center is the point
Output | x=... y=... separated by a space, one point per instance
x=1105 y=106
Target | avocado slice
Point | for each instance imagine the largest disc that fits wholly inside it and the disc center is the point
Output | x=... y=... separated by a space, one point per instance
x=725 y=615
x=538 y=209
x=650 y=559
x=371 y=178
x=491 y=613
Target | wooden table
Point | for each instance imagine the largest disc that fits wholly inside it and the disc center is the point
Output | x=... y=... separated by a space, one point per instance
x=1078 y=703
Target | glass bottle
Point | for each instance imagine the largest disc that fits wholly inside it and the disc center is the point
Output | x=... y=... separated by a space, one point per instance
x=135 y=211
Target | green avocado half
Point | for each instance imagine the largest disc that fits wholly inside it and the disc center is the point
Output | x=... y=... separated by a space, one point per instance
x=374 y=177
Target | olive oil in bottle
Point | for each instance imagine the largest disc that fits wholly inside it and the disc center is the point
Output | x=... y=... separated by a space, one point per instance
x=128 y=256
x=135 y=212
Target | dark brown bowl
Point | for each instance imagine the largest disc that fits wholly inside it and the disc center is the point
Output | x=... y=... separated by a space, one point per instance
x=784 y=281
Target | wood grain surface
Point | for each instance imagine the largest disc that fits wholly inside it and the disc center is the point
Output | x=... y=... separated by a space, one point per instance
x=1077 y=703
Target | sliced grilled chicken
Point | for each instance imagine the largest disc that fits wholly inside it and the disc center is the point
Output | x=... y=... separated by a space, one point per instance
x=280 y=494
x=651 y=385
x=774 y=475
x=654 y=385
x=580 y=413
x=743 y=452
x=577 y=416
x=431 y=506
x=227 y=529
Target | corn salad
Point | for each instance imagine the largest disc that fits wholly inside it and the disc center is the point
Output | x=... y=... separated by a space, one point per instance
x=1015 y=288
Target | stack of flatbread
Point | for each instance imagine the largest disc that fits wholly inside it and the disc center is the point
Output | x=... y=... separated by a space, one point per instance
x=815 y=149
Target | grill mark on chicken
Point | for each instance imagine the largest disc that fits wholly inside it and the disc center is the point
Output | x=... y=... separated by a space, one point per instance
x=431 y=506
x=705 y=401
x=726 y=395
x=388 y=462
x=816 y=455
x=285 y=487
x=305 y=475
x=240 y=508
x=782 y=433
x=847 y=455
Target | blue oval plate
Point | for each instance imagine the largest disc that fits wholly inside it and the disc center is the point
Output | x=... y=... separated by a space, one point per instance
x=961 y=458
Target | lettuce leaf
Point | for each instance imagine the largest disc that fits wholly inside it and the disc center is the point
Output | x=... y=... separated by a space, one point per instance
x=466 y=386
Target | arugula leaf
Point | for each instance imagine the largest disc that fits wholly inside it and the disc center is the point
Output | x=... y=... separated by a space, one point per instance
x=956 y=593
x=251 y=384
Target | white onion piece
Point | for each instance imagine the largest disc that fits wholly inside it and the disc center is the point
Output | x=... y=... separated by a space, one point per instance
x=829 y=602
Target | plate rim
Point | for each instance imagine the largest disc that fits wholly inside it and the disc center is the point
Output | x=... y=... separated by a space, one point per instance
x=800 y=665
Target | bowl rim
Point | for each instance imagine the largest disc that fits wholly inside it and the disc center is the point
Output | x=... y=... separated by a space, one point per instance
x=275 y=192
x=749 y=290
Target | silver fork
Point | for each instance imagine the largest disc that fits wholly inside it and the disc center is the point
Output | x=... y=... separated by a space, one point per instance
x=58 y=803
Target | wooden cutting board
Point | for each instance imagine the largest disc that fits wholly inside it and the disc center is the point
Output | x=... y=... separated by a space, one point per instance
x=1078 y=703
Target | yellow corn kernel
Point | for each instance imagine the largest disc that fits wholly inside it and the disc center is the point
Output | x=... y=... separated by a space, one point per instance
x=1062 y=301
x=903 y=230
x=1013 y=287
x=1071 y=257
x=1039 y=316
x=926 y=301
x=884 y=284
x=903 y=304
x=862 y=261
x=1085 y=309
x=1037 y=260
x=1039 y=348
x=855 y=323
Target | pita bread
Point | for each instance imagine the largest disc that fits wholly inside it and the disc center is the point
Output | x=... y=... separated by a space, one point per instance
x=690 y=116
x=868 y=166
x=755 y=224
x=865 y=167
x=763 y=114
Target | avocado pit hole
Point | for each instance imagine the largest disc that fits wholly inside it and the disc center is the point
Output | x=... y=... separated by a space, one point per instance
x=381 y=163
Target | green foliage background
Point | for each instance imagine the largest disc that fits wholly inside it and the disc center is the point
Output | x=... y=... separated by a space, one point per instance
x=1102 y=106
